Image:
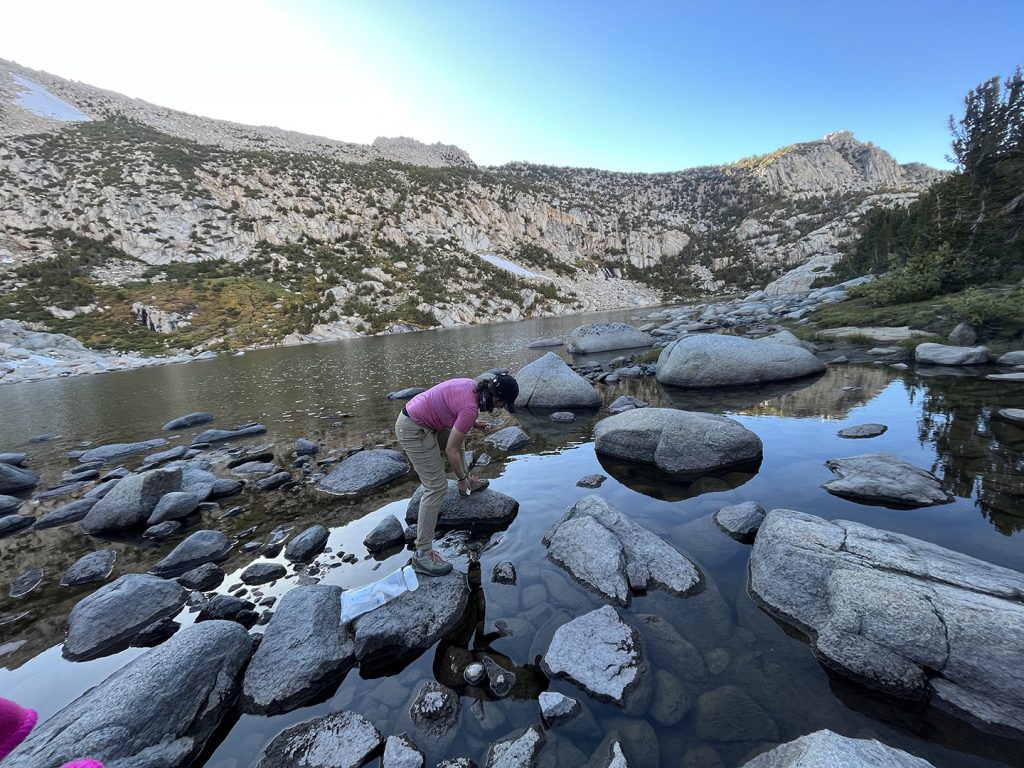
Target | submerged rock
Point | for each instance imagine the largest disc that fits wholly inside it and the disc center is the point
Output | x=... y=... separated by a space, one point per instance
x=413 y=620
x=826 y=748
x=550 y=383
x=713 y=360
x=106 y=620
x=886 y=479
x=898 y=614
x=156 y=712
x=677 y=442
x=9 y=505
x=305 y=649
x=337 y=740
x=599 y=652
x=609 y=553
x=484 y=509
x=25 y=582
x=435 y=709
x=13 y=523
x=364 y=471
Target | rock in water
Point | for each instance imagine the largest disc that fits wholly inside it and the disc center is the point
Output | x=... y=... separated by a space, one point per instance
x=337 y=740
x=942 y=354
x=599 y=652
x=106 y=620
x=413 y=620
x=486 y=509
x=886 y=479
x=601 y=337
x=365 y=471
x=386 y=534
x=201 y=547
x=305 y=650
x=156 y=712
x=108 y=453
x=307 y=544
x=683 y=443
x=14 y=479
x=712 y=360
x=600 y=547
x=130 y=502
x=898 y=614
x=550 y=383
x=519 y=749
x=825 y=748
x=95 y=566
x=190 y=420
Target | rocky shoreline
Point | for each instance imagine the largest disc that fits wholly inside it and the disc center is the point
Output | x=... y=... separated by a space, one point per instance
x=885 y=611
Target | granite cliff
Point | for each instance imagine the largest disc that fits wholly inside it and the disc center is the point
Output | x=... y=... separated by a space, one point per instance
x=259 y=235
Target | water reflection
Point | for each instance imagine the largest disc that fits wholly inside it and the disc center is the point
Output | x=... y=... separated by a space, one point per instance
x=652 y=482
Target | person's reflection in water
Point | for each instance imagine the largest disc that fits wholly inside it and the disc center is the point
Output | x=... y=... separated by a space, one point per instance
x=470 y=643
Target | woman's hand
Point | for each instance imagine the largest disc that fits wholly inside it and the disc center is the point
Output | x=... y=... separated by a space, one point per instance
x=464 y=487
x=483 y=426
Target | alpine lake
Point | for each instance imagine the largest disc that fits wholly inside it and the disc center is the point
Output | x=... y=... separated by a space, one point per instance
x=336 y=394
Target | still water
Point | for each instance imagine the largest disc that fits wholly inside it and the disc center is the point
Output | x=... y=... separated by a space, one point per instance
x=336 y=393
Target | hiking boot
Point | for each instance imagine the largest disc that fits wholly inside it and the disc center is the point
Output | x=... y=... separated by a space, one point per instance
x=431 y=564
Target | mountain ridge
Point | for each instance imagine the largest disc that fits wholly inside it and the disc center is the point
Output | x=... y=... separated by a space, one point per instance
x=352 y=239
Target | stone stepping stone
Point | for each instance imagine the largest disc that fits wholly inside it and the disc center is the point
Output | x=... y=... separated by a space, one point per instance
x=885 y=479
x=862 y=430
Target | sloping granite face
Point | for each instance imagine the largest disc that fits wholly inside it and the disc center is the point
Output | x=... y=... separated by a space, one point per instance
x=156 y=712
x=609 y=553
x=898 y=614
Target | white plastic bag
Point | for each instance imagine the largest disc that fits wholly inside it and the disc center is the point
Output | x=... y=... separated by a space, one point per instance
x=356 y=602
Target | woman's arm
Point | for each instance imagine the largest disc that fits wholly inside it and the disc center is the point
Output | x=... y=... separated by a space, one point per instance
x=456 y=458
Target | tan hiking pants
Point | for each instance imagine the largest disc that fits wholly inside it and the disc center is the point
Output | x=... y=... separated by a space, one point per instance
x=425 y=452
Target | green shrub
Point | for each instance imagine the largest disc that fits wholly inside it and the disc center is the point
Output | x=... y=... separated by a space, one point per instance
x=986 y=309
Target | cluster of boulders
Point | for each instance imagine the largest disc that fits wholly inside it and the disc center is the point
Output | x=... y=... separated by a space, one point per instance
x=894 y=613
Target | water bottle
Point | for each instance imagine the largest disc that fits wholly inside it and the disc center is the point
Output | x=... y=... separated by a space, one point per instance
x=356 y=602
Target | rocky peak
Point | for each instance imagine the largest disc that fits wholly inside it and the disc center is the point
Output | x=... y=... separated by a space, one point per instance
x=405 y=150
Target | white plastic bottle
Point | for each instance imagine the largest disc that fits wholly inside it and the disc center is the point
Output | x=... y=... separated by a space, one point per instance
x=356 y=602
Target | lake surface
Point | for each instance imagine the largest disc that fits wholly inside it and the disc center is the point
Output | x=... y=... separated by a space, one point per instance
x=336 y=393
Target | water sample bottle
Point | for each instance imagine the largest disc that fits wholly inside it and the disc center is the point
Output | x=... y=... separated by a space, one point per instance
x=356 y=602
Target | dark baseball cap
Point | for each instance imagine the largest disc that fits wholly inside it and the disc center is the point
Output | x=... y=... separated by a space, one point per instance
x=506 y=388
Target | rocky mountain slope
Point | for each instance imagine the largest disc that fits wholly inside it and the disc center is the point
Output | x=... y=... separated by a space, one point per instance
x=132 y=226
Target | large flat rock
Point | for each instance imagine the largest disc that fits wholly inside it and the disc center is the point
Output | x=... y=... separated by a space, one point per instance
x=156 y=712
x=550 y=383
x=945 y=354
x=364 y=471
x=609 y=553
x=601 y=337
x=199 y=548
x=824 y=749
x=599 y=652
x=107 y=620
x=483 y=509
x=712 y=360
x=677 y=442
x=885 y=479
x=305 y=650
x=898 y=614
x=337 y=740
x=414 y=620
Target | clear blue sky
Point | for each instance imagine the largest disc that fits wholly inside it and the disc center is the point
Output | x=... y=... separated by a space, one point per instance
x=642 y=86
